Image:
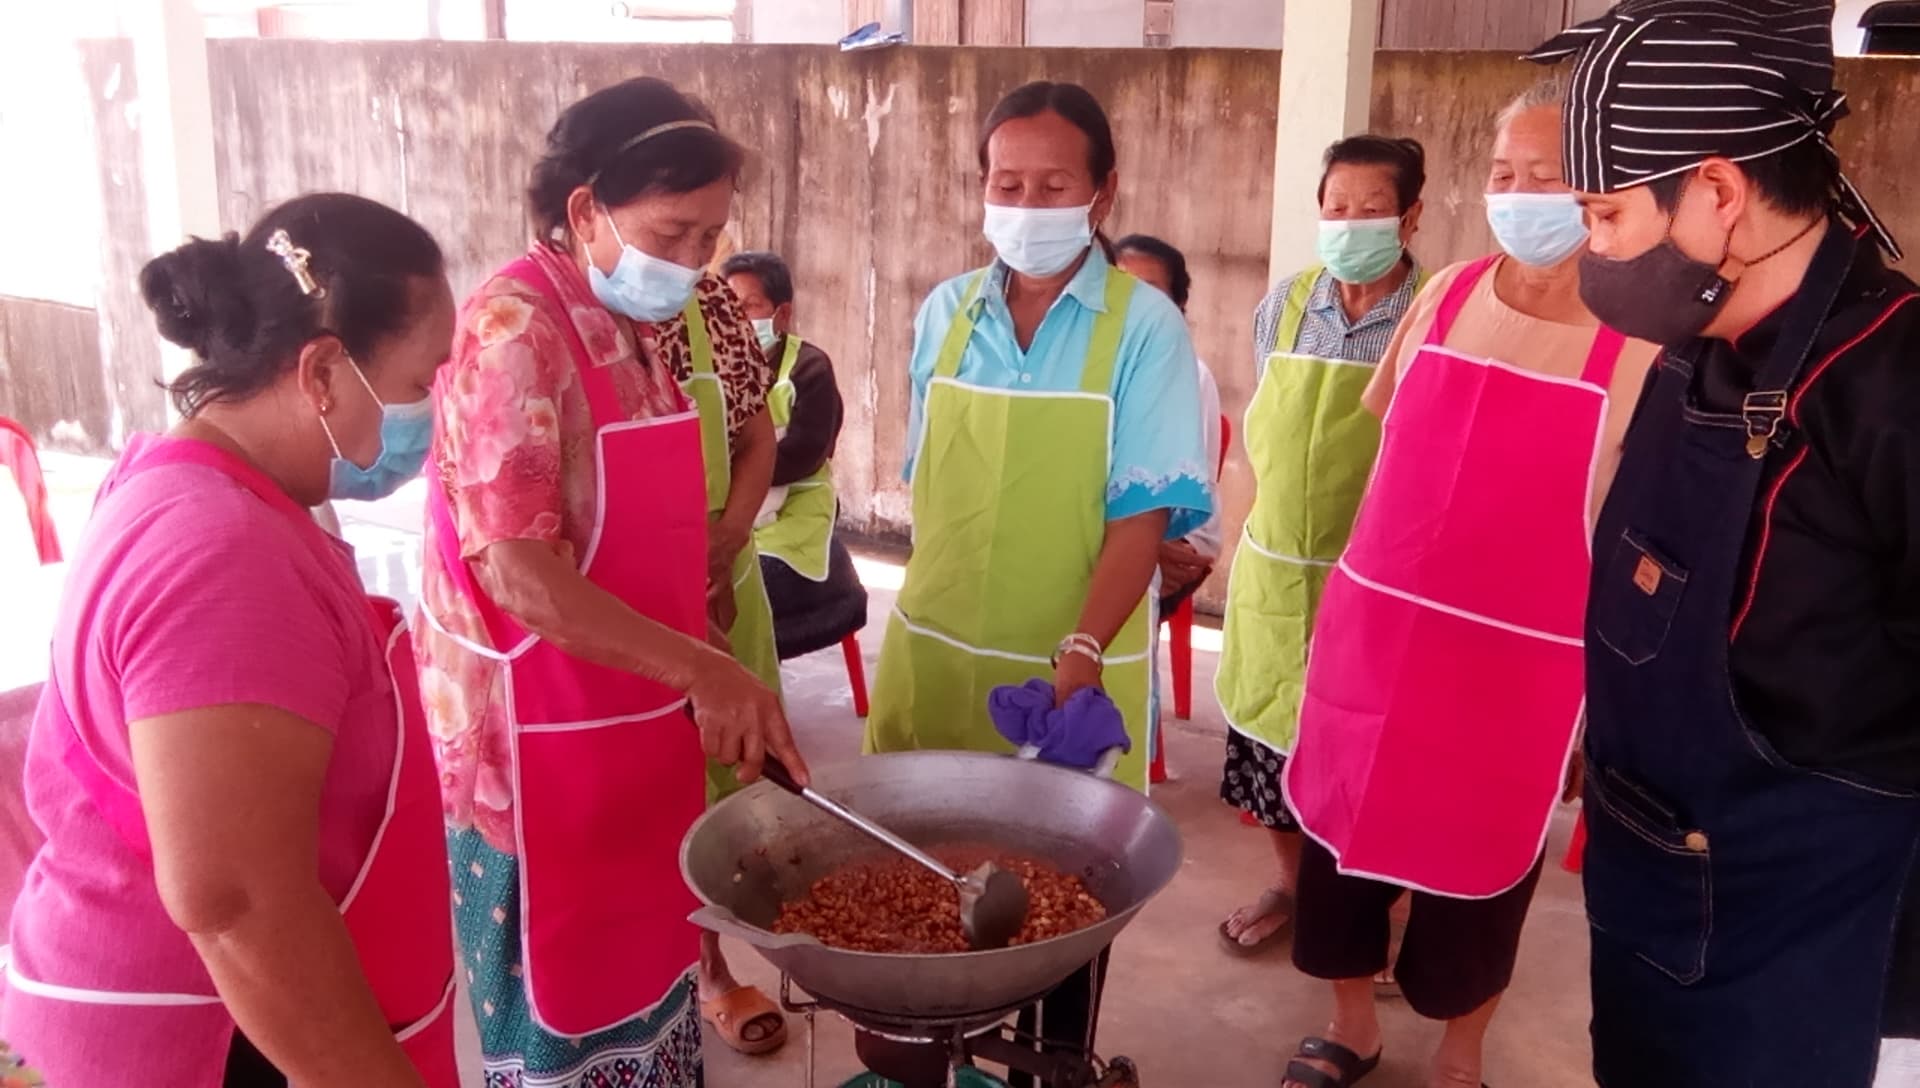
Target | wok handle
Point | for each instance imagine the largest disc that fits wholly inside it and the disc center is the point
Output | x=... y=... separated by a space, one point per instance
x=1102 y=768
x=724 y=922
x=776 y=772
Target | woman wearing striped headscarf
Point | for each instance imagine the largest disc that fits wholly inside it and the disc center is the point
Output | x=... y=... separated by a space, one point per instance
x=1753 y=786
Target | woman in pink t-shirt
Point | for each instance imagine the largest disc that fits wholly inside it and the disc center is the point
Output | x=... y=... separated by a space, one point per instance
x=242 y=881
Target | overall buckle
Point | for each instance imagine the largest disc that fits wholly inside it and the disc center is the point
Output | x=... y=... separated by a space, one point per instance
x=1763 y=413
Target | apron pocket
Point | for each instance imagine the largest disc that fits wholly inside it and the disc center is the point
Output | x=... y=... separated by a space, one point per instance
x=1634 y=601
x=1649 y=878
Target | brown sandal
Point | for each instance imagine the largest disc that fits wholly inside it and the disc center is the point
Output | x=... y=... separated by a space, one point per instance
x=732 y=1013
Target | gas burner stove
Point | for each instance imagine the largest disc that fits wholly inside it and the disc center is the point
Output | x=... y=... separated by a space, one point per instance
x=908 y=1052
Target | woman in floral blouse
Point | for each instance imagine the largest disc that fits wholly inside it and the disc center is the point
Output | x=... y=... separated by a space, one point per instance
x=567 y=635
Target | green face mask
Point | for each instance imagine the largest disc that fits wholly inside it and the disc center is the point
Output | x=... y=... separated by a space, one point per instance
x=1359 y=251
x=763 y=328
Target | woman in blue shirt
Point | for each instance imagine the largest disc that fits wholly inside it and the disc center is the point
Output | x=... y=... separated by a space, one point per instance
x=1055 y=441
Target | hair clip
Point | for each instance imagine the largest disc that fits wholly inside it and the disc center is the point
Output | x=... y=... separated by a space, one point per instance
x=295 y=258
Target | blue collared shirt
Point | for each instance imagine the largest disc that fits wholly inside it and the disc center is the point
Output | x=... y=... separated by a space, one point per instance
x=1158 y=460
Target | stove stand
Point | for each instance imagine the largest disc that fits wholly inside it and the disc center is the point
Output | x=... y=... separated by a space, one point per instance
x=940 y=1053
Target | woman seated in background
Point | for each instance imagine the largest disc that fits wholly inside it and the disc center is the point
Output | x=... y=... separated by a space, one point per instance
x=816 y=594
x=565 y=588
x=243 y=881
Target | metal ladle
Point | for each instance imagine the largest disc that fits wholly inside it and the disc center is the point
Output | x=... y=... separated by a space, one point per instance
x=993 y=902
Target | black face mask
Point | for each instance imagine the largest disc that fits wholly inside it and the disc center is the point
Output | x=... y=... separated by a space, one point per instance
x=1662 y=296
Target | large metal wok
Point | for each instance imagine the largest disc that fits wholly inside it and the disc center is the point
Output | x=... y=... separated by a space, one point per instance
x=763 y=847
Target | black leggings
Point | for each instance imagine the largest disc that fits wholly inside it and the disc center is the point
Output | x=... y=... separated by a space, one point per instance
x=248 y=1068
x=1903 y=981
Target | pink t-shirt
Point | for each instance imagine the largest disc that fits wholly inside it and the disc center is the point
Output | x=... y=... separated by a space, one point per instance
x=191 y=591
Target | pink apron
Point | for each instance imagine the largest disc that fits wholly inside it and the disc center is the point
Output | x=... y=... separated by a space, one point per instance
x=159 y=1022
x=608 y=773
x=1446 y=682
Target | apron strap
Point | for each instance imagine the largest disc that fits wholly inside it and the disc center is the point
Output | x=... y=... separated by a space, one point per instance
x=716 y=444
x=1293 y=312
x=1457 y=294
x=1608 y=343
x=787 y=360
x=595 y=381
x=960 y=330
x=603 y=403
x=1103 y=347
x=1767 y=406
x=117 y=804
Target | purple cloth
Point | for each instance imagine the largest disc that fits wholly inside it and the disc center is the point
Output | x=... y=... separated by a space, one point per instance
x=1072 y=736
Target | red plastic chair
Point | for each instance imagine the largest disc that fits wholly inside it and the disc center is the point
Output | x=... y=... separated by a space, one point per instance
x=1180 y=645
x=18 y=454
x=856 y=672
x=1577 y=849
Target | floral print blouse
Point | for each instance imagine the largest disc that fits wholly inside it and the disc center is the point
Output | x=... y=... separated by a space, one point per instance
x=513 y=447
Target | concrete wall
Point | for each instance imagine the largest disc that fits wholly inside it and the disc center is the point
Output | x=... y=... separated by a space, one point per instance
x=447 y=131
x=1229 y=24
x=785 y=21
x=1092 y=24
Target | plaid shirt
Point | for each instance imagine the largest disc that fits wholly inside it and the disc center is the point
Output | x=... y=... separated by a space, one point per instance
x=1325 y=332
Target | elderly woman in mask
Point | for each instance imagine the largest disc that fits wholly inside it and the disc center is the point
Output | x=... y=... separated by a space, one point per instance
x=1442 y=701
x=1317 y=337
x=567 y=570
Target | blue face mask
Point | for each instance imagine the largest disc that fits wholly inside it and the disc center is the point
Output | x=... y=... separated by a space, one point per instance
x=1538 y=229
x=642 y=286
x=406 y=433
x=1360 y=251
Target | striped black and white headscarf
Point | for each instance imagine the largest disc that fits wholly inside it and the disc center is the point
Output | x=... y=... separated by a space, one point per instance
x=1659 y=86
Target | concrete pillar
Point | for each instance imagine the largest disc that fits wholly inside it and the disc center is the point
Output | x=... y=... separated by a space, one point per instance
x=176 y=130
x=1326 y=91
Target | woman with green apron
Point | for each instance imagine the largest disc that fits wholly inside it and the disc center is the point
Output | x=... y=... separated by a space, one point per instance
x=1054 y=442
x=1311 y=445
x=715 y=354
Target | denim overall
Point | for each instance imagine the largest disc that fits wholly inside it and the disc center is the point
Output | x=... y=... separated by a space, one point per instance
x=1742 y=908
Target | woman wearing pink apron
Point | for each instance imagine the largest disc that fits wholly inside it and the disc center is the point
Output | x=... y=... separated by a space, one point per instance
x=243 y=879
x=565 y=641
x=1444 y=688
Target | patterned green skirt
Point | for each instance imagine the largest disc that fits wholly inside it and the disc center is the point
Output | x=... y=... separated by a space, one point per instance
x=658 y=1050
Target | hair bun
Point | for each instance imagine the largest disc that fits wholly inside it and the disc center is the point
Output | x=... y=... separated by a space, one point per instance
x=197 y=295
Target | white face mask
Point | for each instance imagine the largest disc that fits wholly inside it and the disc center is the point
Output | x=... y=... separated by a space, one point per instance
x=1039 y=241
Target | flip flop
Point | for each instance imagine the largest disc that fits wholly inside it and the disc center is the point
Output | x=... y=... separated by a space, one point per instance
x=733 y=1012
x=1352 y=1068
x=1272 y=901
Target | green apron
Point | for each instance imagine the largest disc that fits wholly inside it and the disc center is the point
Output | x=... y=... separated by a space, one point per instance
x=801 y=532
x=752 y=630
x=1311 y=446
x=1009 y=515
